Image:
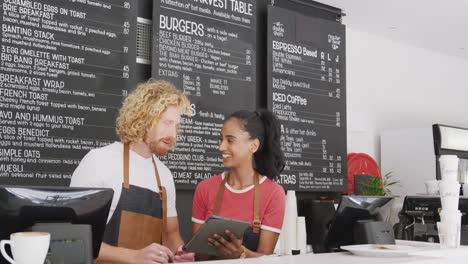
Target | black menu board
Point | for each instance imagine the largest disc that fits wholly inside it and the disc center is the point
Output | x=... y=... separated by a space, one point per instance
x=207 y=49
x=65 y=67
x=306 y=90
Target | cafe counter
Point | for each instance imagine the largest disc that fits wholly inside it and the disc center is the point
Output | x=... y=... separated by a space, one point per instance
x=428 y=254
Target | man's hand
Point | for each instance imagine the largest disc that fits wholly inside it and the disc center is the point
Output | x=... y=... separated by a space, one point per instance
x=182 y=256
x=229 y=249
x=152 y=254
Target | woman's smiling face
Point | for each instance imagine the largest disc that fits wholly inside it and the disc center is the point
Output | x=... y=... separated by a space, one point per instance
x=236 y=146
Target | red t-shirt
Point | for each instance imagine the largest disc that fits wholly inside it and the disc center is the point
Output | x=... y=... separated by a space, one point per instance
x=239 y=204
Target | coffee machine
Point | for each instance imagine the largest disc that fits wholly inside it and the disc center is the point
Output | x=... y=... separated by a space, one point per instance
x=419 y=216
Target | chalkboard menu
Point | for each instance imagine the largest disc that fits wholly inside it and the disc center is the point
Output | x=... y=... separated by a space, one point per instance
x=64 y=68
x=306 y=90
x=207 y=49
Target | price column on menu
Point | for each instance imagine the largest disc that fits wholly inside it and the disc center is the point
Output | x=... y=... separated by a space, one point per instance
x=65 y=67
x=207 y=49
x=307 y=93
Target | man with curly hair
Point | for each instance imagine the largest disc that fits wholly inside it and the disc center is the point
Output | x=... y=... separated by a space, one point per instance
x=142 y=226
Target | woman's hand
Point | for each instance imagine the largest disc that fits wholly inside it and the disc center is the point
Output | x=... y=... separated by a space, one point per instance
x=182 y=256
x=230 y=249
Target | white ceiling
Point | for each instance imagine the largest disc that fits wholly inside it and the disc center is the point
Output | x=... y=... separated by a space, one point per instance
x=437 y=25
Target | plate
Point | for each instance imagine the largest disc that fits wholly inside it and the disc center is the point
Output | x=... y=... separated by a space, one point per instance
x=380 y=250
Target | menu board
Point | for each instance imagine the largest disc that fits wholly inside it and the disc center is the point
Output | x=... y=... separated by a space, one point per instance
x=306 y=90
x=207 y=49
x=65 y=67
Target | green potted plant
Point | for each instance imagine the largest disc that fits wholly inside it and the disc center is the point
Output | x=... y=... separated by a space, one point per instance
x=375 y=186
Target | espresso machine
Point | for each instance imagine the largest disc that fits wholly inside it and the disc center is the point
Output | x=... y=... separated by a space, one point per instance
x=419 y=216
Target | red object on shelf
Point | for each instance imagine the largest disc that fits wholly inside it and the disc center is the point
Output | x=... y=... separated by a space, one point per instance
x=360 y=164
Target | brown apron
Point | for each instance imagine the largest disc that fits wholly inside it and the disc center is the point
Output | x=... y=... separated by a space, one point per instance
x=252 y=234
x=140 y=216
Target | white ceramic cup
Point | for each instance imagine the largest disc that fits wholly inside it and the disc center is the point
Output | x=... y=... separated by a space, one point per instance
x=449 y=203
x=449 y=189
x=449 y=176
x=448 y=162
x=27 y=247
x=450 y=217
x=449 y=167
x=449 y=235
x=449 y=195
x=432 y=187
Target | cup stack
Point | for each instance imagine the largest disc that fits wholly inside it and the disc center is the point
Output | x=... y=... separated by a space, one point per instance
x=301 y=235
x=450 y=217
x=288 y=232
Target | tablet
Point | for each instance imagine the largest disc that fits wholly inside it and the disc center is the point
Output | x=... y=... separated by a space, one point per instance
x=214 y=224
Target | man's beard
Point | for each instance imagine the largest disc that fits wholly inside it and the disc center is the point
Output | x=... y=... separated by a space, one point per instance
x=159 y=150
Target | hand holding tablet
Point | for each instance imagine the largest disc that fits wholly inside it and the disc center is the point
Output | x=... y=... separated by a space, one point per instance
x=215 y=225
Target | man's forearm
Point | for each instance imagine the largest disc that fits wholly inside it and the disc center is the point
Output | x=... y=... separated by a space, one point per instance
x=111 y=254
x=174 y=241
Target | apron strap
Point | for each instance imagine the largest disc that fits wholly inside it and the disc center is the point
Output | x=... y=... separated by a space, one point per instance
x=256 y=222
x=219 y=197
x=162 y=191
x=126 y=153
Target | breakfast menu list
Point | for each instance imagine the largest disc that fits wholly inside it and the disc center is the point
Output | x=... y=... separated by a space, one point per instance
x=207 y=49
x=65 y=67
x=306 y=90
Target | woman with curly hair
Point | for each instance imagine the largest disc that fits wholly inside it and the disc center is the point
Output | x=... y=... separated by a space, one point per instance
x=251 y=151
x=142 y=225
